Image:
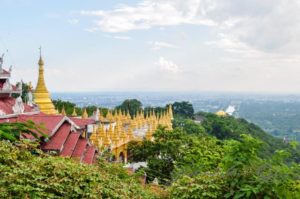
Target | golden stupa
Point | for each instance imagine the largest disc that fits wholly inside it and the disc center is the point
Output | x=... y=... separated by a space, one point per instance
x=41 y=94
x=221 y=113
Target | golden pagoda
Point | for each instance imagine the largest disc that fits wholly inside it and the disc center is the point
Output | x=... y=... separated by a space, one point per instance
x=41 y=94
x=221 y=113
x=63 y=111
x=74 y=114
x=84 y=114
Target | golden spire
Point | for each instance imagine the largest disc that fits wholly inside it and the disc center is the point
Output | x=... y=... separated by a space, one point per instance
x=63 y=111
x=130 y=134
x=149 y=134
x=84 y=114
x=170 y=112
x=41 y=94
x=94 y=137
x=74 y=114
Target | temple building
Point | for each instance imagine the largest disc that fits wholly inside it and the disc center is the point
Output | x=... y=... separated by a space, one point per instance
x=66 y=135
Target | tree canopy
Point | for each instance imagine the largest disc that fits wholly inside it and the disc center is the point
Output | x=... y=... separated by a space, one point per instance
x=183 y=109
x=131 y=105
x=194 y=163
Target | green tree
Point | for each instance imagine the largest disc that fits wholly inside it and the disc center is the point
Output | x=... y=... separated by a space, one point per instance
x=174 y=153
x=24 y=174
x=131 y=105
x=183 y=109
x=189 y=126
x=14 y=131
x=241 y=173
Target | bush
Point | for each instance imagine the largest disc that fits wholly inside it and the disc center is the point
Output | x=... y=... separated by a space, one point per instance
x=28 y=174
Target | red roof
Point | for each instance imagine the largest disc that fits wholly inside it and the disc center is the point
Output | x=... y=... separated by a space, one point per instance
x=89 y=155
x=80 y=148
x=82 y=122
x=3 y=120
x=58 y=127
x=58 y=139
x=70 y=144
x=50 y=122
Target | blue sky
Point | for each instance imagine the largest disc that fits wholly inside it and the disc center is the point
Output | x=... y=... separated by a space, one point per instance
x=154 y=45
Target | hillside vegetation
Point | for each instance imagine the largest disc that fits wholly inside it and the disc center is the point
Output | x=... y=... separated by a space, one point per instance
x=221 y=157
x=26 y=172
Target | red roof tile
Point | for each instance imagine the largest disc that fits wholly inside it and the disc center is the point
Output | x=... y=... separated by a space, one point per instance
x=70 y=144
x=82 y=122
x=80 y=148
x=6 y=105
x=89 y=155
x=59 y=138
x=50 y=122
x=4 y=120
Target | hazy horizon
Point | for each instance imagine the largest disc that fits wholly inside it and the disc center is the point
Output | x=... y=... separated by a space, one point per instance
x=167 y=45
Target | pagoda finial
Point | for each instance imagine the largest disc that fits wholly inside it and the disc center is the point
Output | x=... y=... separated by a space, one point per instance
x=63 y=111
x=74 y=114
x=41 y=61
x=84 y=114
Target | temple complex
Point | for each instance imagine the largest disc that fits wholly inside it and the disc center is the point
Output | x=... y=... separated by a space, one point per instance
x=80 y=137
x=116 y=130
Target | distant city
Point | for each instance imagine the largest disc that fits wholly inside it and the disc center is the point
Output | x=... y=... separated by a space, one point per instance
x=277 y=114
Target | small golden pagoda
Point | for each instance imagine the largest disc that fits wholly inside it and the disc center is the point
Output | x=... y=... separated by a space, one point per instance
x=41 y=94
x=221 y=113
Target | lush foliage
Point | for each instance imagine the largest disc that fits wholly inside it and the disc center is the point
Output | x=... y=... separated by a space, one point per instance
x=280 y=117
x=25 y=172
x=69 y=107
x=131 y=105
x=195 y=164
x=183 y=109
x=231 y=128
x=175 y=152
x=13 y=131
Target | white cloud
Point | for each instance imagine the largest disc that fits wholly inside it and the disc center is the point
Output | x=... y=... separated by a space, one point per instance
x=119 y=37
x=167 y=65
x=152 y=13
x=157 y=45
x=73 y=21
x=93 y=29
x=122 y=37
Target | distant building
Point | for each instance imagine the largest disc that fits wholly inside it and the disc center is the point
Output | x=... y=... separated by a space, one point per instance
x=230 y=110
